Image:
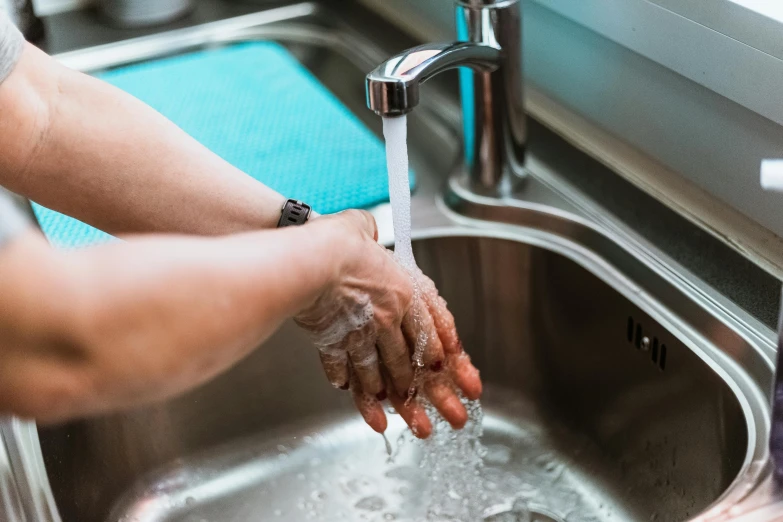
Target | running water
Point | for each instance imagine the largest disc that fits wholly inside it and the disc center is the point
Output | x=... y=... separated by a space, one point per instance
x=395 y=132
x=452 y=459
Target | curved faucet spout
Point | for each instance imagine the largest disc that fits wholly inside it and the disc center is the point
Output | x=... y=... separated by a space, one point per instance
x=393 y=88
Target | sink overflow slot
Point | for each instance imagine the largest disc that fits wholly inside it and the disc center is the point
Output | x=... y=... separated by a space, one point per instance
x=635 y=336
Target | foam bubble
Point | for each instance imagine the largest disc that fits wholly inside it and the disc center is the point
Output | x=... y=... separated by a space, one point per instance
x=344 y=319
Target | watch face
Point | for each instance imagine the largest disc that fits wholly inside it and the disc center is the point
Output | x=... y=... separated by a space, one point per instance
x=294 y=213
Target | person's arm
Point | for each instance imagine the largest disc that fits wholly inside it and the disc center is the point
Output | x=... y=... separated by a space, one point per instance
x=85 y=148
x=123 y=324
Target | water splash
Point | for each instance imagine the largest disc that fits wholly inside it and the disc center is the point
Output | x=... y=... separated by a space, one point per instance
x=453 y=460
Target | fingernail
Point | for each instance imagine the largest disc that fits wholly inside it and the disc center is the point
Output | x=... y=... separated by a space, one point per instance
x=436 y=366
x=345 y=386
x=461 y=348
x=381 y=395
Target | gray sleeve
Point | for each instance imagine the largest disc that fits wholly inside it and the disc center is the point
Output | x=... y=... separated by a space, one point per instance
x=11 y=45
x=12 y=219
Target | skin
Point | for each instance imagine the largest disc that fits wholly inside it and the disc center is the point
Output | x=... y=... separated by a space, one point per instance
x=124 y=324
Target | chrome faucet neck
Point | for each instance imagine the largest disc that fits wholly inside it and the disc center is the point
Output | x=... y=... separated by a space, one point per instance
x=489 y=49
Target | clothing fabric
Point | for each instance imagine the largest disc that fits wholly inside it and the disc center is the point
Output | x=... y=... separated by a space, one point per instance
x=11 y=45
x=12 y=219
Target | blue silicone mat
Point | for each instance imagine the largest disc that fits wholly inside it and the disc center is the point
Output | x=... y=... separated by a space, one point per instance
x=258 y=108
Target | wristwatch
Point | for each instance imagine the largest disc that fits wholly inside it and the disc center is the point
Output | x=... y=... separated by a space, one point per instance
x=294 y=213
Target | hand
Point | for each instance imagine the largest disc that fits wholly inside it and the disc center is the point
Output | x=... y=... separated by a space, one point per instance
x=364 y=328
x=357 y=322
x=437 y=382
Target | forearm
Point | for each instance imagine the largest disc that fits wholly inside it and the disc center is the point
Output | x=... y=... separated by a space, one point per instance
x=94 y=330
x=94 y=152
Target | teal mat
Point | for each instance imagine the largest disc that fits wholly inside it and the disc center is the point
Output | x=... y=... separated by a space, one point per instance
x=261 y=110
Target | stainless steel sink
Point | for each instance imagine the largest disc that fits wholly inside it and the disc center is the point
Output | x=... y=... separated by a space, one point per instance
x=617 y=387
x=584 y=416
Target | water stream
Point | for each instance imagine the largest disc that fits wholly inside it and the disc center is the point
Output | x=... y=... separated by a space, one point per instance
x=452 y=459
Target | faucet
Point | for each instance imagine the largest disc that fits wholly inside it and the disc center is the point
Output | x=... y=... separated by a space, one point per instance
x=489 y=51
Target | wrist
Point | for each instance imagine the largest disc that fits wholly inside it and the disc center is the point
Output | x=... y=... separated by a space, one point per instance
x=340 y=244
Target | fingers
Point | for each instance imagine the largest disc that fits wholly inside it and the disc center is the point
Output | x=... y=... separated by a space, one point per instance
x=446 y=402
x=413 y=414
x=466 y=376
x=433 y=355
x=370 y=408
x=441 y=317
x=360 y=345
x=334 y=360
x=396 y=359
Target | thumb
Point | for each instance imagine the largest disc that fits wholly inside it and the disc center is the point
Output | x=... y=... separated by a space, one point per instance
x=362 y=220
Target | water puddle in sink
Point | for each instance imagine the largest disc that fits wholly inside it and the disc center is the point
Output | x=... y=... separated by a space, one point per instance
x=335 y=469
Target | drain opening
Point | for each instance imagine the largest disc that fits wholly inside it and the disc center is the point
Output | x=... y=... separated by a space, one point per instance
x=662 y=362
x=638 y=340
x=636 y=336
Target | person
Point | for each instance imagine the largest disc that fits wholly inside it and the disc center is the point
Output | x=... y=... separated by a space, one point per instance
x=203 y=276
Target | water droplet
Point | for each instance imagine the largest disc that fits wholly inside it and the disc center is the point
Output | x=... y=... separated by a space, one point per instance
x=497 y=454
x=371 y=503
x=388 y=444
x=406 y=473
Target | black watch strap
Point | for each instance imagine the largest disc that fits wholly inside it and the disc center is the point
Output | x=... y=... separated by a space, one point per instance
x=294 y=213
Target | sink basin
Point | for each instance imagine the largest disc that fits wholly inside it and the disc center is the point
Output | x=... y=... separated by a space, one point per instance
x=615 y=388
x=579 y=417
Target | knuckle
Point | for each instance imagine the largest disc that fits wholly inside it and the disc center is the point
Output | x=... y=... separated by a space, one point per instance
x=386 y=320
x=363 y=219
